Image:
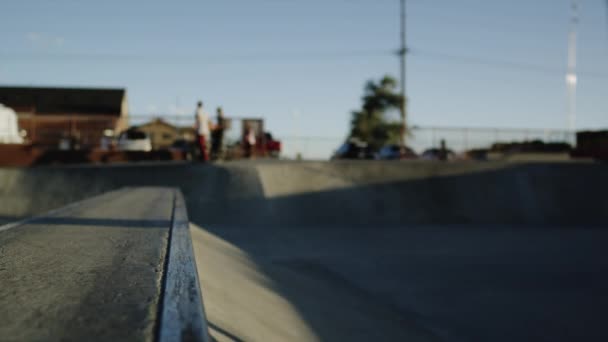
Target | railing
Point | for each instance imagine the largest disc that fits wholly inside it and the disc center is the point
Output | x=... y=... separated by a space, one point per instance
x=420 y=138
x=462 y=139
x=458 y=139
x=48 y=130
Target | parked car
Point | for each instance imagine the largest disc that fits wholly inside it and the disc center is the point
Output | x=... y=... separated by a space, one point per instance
x=134 y=140
x=272 y=146
x=188 y=149
x=9 y=127
x=394 y=152
x=435 y=154
x=353 y=149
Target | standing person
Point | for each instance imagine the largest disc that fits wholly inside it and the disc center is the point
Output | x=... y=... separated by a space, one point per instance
x=217 y=135
x=443 y=151
x=202 y=131
x=250 y=141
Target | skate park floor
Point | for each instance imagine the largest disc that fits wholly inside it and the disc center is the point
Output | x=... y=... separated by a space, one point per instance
x=446 y=283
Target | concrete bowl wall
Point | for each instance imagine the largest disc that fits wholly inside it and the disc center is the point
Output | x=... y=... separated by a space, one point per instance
x=300 y=193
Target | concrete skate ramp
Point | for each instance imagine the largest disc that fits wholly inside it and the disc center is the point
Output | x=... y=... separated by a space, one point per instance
x=375 y=251
x=277 y=193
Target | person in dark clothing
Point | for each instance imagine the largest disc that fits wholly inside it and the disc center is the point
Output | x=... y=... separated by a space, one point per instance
x=443 y=151
x=217 y=135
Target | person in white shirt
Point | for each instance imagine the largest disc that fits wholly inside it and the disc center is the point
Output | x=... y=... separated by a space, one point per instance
x=250 y=141
x=203 y=128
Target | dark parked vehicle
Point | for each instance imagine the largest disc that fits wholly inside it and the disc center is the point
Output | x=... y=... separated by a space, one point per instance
x=592 y=144
x=353 y=149
x=272 y=146
x=394 y=152
x=188 y=149
x=436 y=154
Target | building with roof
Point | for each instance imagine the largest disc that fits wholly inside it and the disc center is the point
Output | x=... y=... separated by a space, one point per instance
x=163 y=134
x=48 y=115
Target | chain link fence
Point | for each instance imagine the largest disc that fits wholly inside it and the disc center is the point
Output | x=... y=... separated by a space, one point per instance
x=461 y=139
x=420 y=138
x=457 y=139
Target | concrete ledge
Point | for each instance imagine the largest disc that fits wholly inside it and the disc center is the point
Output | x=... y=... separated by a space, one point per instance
x=182 y=313
x=114 y=267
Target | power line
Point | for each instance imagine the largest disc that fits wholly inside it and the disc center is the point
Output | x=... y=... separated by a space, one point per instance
x=304 y=56
x=503 y=64
x=196 y=58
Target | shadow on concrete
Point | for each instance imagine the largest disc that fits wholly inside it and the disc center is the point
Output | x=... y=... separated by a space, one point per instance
x=89 y=222
x=9 y=219
x=227 y=334
x=87 y=156
x=526 y=194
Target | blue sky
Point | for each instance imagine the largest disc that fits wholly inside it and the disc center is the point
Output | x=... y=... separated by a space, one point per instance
x=274 y=58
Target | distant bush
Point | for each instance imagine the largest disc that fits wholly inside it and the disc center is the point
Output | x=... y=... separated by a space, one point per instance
x=477 y=154
x=531 y=146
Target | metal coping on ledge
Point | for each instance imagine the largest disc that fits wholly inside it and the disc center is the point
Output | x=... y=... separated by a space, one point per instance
x=181 y=314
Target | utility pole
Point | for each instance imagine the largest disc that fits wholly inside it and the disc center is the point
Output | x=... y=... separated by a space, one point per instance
x=571 y=78
x=402 y=53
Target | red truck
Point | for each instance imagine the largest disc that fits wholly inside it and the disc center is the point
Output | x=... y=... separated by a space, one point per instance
x=271 y=146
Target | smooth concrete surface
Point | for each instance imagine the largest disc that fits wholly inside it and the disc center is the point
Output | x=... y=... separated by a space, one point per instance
x=89 y=273
x=377 y=250
x=284 y=297
x=381 y=283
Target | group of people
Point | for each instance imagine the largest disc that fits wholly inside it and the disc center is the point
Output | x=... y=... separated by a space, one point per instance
x=206 y=128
